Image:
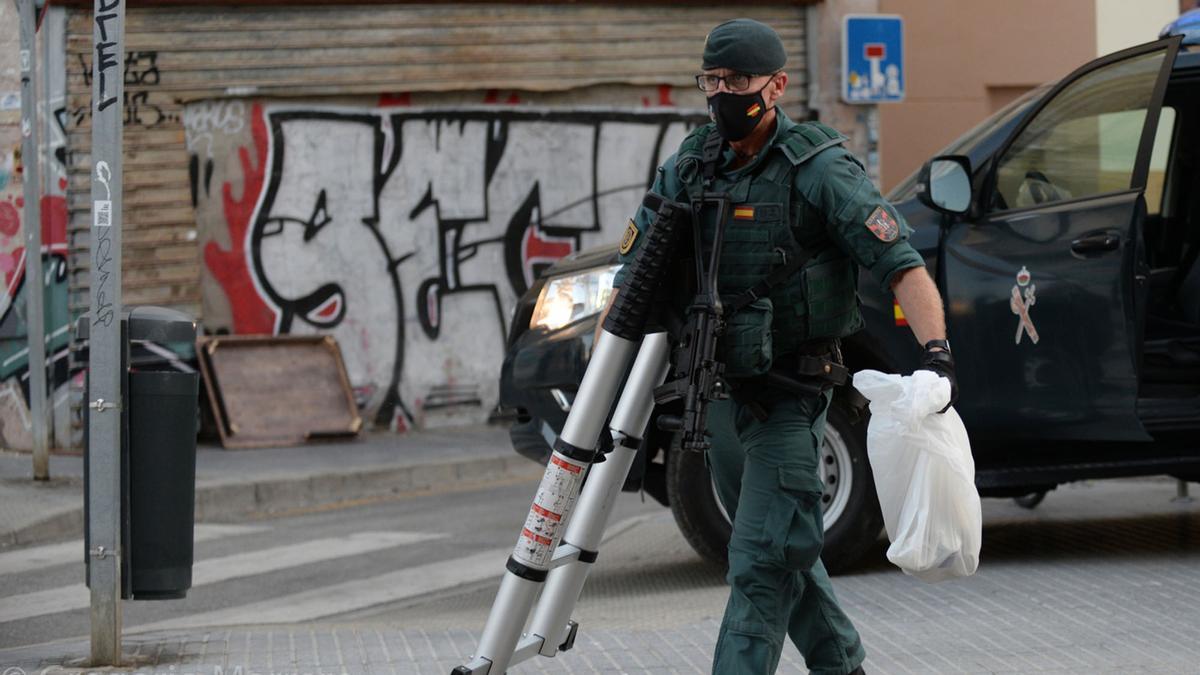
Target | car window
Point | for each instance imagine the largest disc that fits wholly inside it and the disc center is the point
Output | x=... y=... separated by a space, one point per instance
x=1084 y=142
x=907 y=188
x=1160 y=158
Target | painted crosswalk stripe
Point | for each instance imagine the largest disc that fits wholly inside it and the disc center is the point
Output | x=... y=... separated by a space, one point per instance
x=350 y=596
x=215 y=570
x=71 y=552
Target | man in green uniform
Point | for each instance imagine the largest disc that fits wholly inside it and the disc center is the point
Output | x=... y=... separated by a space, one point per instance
x=795 y=191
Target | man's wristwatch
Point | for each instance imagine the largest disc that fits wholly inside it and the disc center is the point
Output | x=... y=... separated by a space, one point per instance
x=937 y=358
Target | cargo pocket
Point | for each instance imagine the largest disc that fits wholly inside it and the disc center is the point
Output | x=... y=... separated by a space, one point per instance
x=800 y=536
x=746 y=347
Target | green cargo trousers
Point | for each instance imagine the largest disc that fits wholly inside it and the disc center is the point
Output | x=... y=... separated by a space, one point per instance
x=767 y=478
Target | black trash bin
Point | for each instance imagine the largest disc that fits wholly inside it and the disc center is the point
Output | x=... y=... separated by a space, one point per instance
x=161 y=429
x=161 y=396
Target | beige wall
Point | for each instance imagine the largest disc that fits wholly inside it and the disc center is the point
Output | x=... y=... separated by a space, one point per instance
x=10 y=89
x=967 y=58
x=1121 y=23
x=853 y=120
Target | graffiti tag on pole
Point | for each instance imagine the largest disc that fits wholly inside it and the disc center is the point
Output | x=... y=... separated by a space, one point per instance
x=106 y=51
x=102 y=221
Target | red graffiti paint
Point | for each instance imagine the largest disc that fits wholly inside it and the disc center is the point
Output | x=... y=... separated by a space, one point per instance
x=327 y=311
x=390 y=100
x=54 y=224
x=664 y=95
x=13 y=266
x=492 y=97
x=54 y=240
x=231 y=267
x=330 y=308
x=539 y=248
x=10 y=219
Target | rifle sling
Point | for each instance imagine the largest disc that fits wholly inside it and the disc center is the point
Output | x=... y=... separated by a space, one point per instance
x=710 y=156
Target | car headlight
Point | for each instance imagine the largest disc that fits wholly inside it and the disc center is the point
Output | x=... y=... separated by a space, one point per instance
x=568 y=298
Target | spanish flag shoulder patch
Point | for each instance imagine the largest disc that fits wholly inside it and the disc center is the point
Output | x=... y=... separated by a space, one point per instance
x=898 y=314
x=743 y=212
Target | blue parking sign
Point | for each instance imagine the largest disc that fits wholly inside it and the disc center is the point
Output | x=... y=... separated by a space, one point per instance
x=872 y=58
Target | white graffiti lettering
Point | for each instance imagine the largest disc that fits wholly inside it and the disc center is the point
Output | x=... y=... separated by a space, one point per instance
x=410 y=236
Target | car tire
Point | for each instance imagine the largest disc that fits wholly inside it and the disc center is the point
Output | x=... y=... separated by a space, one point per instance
x=850 y=494
x=694 y=503
x=854 y=529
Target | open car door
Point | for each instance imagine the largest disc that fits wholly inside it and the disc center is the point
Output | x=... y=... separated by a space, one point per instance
x=1046 y=286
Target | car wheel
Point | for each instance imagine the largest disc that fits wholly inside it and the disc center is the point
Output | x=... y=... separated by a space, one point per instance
x=701 y=518
x=852 y=517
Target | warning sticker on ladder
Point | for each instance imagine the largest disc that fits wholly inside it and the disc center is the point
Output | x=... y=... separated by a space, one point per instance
x=560 y=487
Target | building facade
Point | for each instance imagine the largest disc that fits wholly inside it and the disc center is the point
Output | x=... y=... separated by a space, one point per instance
x=966 y=60
x=396 y=174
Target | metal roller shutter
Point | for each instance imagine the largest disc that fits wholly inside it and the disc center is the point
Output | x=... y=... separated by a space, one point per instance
x=178 y=55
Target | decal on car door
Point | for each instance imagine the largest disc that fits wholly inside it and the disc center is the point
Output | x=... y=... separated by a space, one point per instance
x=1023 y=298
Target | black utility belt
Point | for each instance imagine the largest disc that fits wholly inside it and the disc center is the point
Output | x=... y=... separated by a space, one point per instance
x=801 y=374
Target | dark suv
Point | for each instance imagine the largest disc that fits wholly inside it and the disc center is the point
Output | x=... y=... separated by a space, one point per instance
x=1063 y=233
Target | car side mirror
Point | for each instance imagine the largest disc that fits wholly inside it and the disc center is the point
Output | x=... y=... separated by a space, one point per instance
x=945 y=184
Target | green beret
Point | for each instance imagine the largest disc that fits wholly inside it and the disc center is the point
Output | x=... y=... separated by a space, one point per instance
x=744 y=45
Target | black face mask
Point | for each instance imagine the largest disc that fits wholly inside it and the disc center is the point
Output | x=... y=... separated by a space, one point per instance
x=736 y=115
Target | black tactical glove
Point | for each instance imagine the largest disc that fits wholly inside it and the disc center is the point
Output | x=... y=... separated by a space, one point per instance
x=937 y=358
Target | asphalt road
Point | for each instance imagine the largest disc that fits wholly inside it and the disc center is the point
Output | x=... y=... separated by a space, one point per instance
x=311 y=561
x=1101 y=577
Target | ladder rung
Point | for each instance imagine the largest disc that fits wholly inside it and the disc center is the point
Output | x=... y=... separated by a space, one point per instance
x=564 y=554
x=527 y=648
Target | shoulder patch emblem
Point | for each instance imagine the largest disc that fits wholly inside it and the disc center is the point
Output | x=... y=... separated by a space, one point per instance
x=883 y=225
x=627 y=239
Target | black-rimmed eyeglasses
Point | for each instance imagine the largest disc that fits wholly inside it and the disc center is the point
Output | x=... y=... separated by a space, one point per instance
x=733 y=81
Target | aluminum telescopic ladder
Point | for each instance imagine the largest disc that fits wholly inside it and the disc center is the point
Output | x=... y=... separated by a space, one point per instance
x=549 y=565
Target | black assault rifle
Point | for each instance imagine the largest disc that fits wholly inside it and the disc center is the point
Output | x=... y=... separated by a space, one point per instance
x=697 y=376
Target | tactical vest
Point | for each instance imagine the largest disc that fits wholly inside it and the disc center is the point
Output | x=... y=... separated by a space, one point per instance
x=766 y=226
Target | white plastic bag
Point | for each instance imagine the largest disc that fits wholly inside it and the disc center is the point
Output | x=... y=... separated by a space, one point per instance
x=924 y=474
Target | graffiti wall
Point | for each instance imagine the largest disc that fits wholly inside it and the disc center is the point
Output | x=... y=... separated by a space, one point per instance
x=406 y=232
x=15 y=422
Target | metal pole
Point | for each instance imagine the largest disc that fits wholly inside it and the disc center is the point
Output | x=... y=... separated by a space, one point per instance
x=105 y=377
x=34 y=283
x=53 y=68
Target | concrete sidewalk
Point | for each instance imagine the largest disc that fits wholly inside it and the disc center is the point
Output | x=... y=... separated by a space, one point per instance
x=232 y=484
